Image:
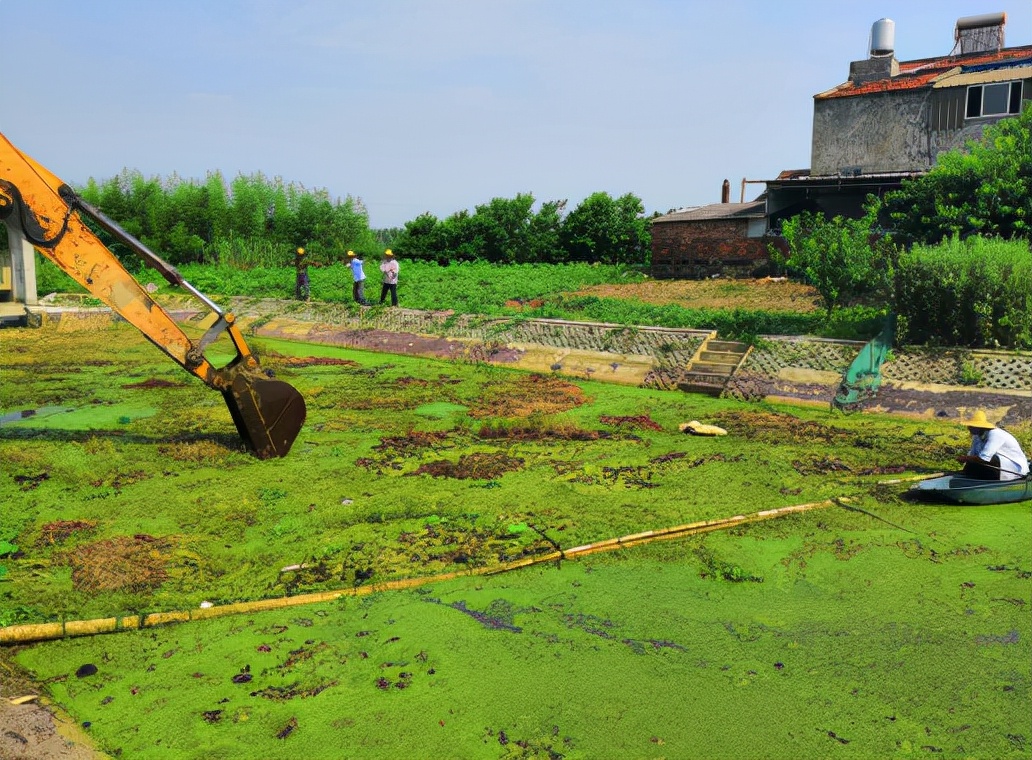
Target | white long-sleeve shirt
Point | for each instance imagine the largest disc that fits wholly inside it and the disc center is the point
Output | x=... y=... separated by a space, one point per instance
x=390 y=272
x=997 y=442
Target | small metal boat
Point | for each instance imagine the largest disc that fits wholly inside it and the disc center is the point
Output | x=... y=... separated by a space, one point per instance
x=961 y=490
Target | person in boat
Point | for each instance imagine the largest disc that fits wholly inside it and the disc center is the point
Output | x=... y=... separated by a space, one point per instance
x=995 y=454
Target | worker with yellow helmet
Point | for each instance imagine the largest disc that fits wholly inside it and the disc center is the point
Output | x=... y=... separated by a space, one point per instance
x=358 y=275
x=302 y=287
x=389 y=267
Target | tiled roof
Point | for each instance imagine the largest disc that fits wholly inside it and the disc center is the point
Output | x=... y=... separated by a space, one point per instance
x=751 y=210
x=914 y=75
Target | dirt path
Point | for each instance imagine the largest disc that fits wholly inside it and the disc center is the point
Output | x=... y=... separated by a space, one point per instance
x=767 y=294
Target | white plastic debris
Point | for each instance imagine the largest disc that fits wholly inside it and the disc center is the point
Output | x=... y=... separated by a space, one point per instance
x=697 y=428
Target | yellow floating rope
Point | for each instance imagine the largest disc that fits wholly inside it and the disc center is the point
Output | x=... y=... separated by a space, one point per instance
x=25 y=634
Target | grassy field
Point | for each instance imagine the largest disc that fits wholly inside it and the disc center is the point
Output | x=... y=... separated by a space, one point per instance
x=888 y=628
x=738 y=309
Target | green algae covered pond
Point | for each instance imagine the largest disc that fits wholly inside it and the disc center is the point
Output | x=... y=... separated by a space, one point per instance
x=885 y=629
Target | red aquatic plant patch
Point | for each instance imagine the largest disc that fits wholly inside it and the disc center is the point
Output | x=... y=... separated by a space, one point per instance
x=640 y=421
x=774 y=427
x=475 y=466
x=527 y=395
x=554 y=432
x=316 y=361
x=59 y=531
x=819 y=465
x=411 y=443
x=28 y=482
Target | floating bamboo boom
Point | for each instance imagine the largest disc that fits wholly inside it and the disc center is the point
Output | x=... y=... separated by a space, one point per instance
x=929 y=476
x=29 y=633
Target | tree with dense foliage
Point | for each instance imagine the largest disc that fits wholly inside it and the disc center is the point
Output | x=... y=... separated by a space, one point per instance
x=504 y=225
x=607 y=230
x=842 y=258
x=256 y=221
x=544 y=235
x=508 y=231
x=983 y=190
x=422 y=239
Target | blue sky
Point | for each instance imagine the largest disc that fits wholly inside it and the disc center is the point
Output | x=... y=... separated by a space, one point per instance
x=440 y=105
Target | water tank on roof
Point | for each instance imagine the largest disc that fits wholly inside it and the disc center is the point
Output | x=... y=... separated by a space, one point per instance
x=883 y=37
x=978 y=22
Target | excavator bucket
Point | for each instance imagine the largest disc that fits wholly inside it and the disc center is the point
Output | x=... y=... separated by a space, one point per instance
x=48 y=214
x=268 y=413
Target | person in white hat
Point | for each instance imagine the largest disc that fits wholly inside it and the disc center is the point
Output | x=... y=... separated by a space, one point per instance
x=995 y=454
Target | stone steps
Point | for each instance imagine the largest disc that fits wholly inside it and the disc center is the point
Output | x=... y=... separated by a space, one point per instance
x=713 y=365
x=720 y=357
x=731 y=346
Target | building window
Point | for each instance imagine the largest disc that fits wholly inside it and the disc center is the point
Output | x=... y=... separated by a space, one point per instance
x=993 y=99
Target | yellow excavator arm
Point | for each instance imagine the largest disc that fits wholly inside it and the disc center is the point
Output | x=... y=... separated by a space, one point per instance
x=267 y=413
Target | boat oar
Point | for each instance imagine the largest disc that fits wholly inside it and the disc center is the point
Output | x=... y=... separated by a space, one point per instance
x=851 y=508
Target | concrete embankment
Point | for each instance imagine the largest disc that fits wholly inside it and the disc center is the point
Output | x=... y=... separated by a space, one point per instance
x=918 y=381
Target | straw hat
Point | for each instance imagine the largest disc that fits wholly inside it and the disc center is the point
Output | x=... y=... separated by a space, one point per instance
x=978 y=420
x=351 y=254
x=300 y=251
x=388 y=252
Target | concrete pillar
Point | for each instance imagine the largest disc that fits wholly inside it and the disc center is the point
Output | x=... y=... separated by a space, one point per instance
x=23 y=267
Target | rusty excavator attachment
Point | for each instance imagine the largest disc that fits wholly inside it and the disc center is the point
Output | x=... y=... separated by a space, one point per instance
x=268 y=413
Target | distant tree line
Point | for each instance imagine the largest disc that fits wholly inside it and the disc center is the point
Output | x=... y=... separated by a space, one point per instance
x=250 y=221
x=255 y=220
x=918 y=246
x=601 y=229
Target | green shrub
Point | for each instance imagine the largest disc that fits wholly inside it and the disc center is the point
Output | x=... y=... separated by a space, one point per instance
x=969 y=374
x=843 y=259
x=966 y=293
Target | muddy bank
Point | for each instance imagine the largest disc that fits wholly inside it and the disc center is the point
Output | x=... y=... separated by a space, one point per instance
x=923 y=400
x=799 y=370
x=945 y=402
x=34 y=731
x=625 y=368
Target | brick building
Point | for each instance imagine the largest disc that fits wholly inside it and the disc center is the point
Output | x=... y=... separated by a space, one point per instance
x=887 y=123
x=724 y=238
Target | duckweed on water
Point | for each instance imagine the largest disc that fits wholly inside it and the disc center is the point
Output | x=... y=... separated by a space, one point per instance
x=643 y=654
x=898 y=630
